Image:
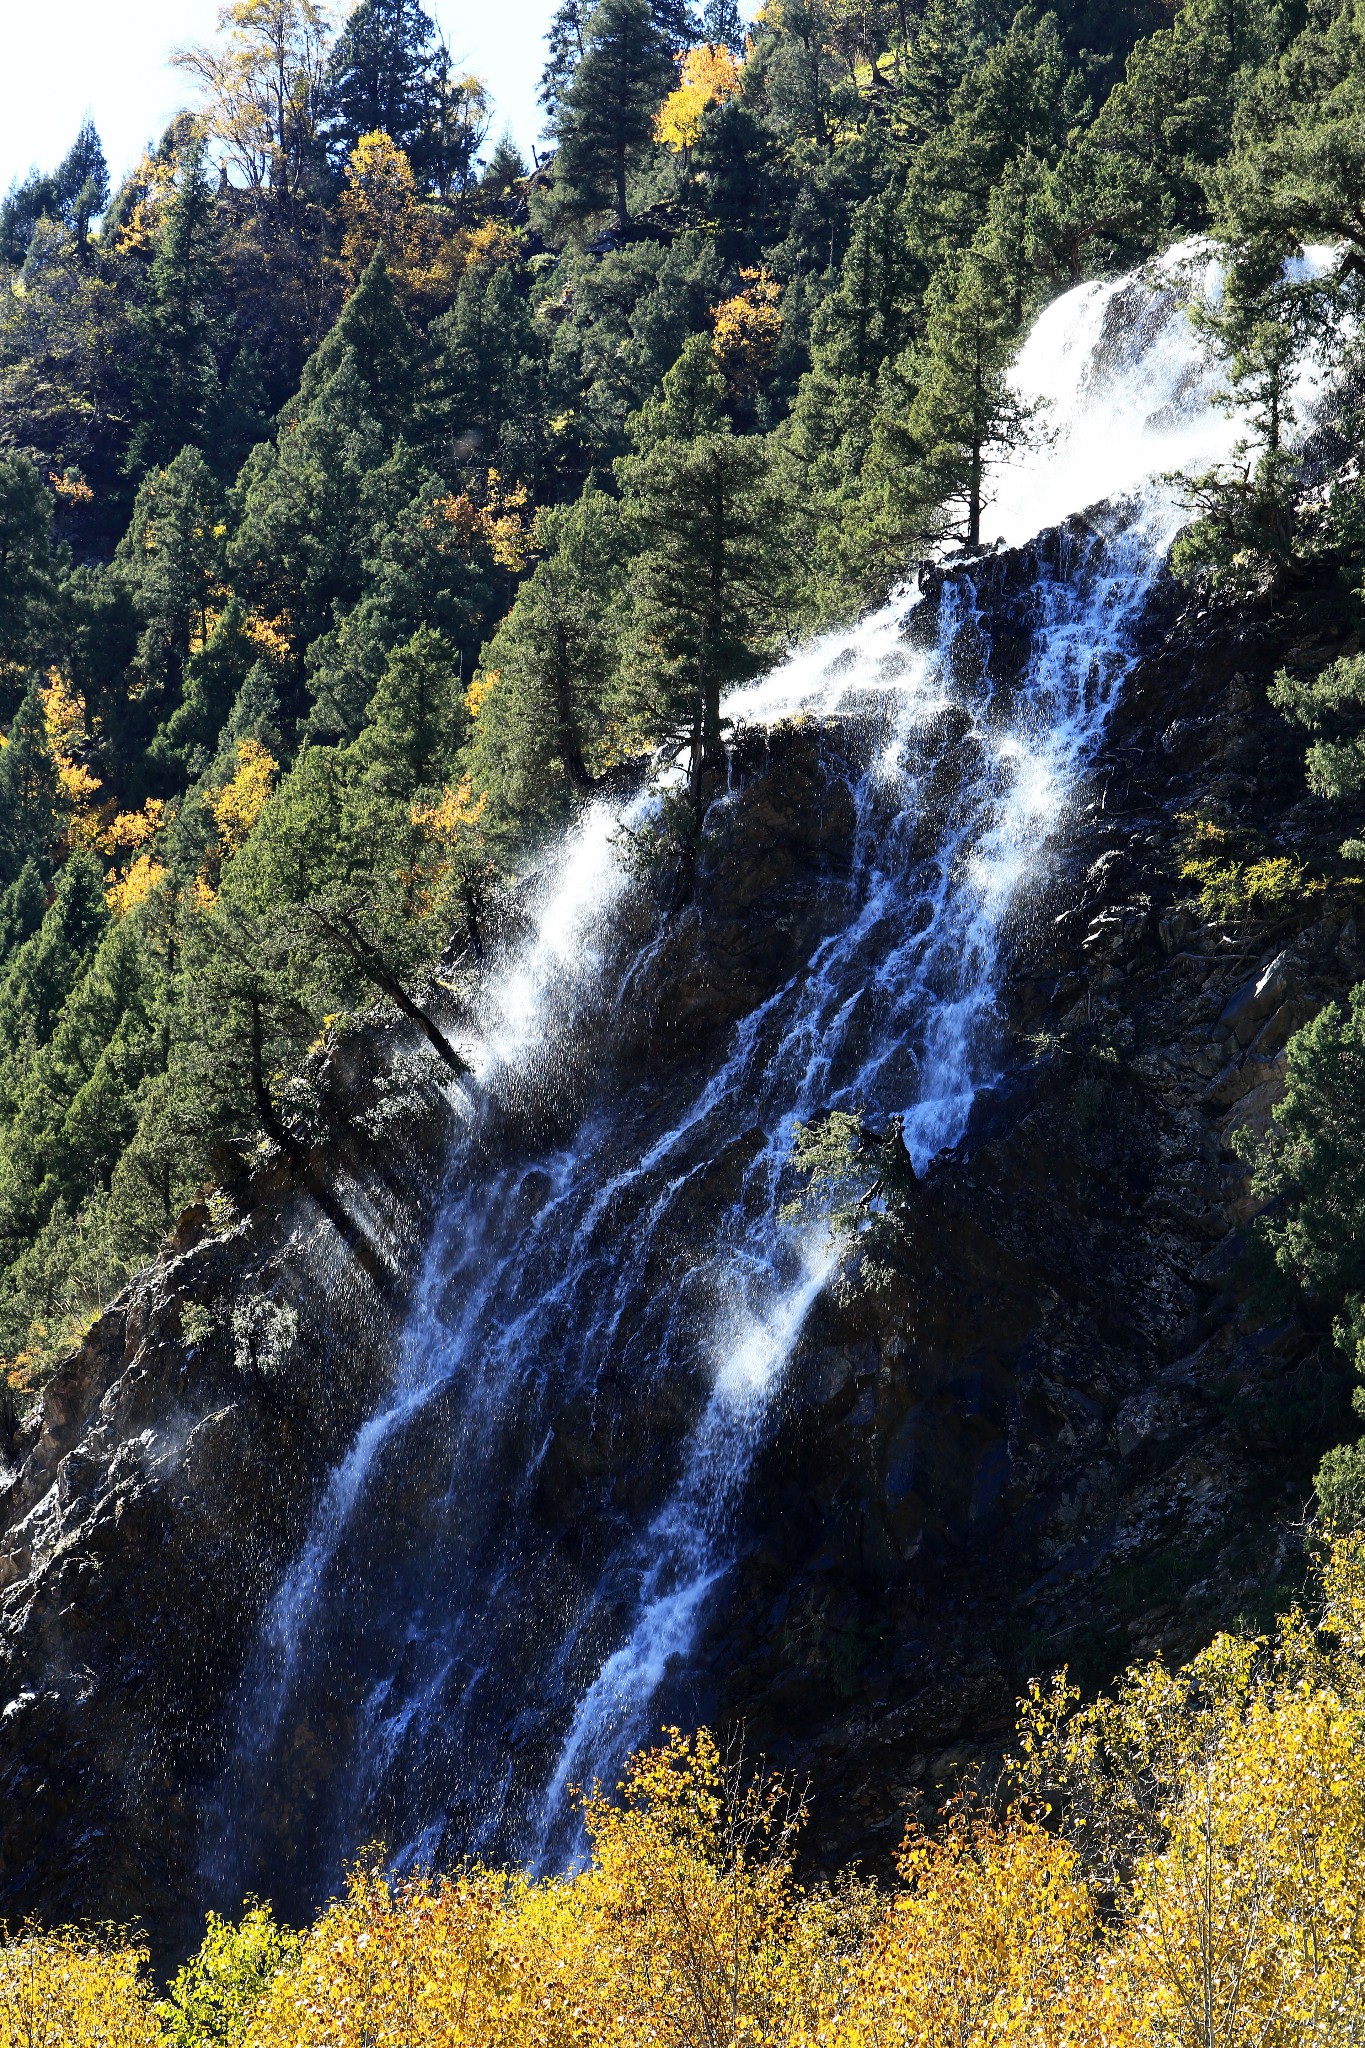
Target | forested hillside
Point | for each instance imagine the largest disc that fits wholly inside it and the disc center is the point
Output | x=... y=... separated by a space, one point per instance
x=368 y=496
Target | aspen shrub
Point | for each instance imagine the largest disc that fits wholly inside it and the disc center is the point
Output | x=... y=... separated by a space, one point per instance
x=74 y=1990
x=1179 y=1865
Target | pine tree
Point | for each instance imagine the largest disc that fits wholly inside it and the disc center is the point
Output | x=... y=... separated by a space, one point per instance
x=547 y=699
x=182 y=747
x=565 y=45
x=30 y=794
x=21 y=908
x=487 y=372
x=723 y=24
x=1249 y=533
x=428 y=566
x=964 y=416
x=76 y=1105
x=375 y=333
x=175 y=367
x=46 y=967
x=378 y=77
x=707 y=582
x=414 y=723
x=82 y=182
x=171 y=562
x=28 y=575
x=605 y=120
x=940 y=53
x=24 y=205
x=503 y=172
x=311 y=506
x=457 y=125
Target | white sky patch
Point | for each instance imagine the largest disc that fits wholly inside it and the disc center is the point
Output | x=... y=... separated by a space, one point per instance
x=62 y=58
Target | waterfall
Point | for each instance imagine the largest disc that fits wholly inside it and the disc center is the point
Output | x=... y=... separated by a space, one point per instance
x=509 y=1571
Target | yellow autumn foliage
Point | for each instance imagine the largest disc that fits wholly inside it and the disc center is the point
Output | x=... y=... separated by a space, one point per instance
x=1178 y=1865
x=132 y=829
x=71 y=1990
x=456 y=812
x=68 y=739
x=235 y=806
x=124 y=891
x=498 y=518
x=481 y=687
x=270 y=637
x=239 y=803
x=710 y=74
x=380 y=208
x=746 y=330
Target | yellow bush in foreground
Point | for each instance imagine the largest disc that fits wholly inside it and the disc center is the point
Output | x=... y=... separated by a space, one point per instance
x=1181 y=1865
x=71 y=1990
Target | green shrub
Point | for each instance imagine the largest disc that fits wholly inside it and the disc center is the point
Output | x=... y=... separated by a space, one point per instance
x=213 y=1997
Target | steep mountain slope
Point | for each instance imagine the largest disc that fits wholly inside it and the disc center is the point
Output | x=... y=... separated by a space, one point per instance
x=1071 y=1435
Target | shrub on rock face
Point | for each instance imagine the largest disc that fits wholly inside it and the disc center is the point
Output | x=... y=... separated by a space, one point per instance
x=1313 y=1160
x=1340 y=1487
x=1310 y=1167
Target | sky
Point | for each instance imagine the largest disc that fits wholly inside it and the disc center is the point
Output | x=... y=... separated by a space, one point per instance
x=60 y=59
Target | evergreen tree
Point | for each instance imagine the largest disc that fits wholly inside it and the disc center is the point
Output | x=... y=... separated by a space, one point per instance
x=414 y=723
x=82 y=182
x=176 y=367
x=564 y=47
x=1330 y=706
x=946 y=39
x=551 y=667
x=374 y=332
x=378 y=77
x=1249 y=533
x=707 y=581
x=182 y=747
x=310 y=508
x=964 y=416
x=723 y=24
x=605 y=119
x=30 y=794
x=76 y=1106
x=171 y=562
x=24 y=205
x=46 y=967
x=22 y=906
x=747 y=180
x=427 y=566
x=99 y=628
x=486 y=376
x=503 y=172
x=457 y=126
x=28 y=575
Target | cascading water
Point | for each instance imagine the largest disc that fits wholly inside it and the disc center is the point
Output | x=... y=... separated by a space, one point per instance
x=512 y=1566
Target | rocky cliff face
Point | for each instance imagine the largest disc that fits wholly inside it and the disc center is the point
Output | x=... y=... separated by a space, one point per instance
x=1077 y=1434
x=1065 y=1433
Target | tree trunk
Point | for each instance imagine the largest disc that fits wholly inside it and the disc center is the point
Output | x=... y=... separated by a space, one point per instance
x=622 y=216
x=357 y=1240
x=372 y=967
x=570 y=745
